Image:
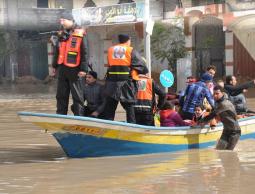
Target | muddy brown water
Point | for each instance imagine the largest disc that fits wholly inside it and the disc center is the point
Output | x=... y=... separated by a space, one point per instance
x=31 y=161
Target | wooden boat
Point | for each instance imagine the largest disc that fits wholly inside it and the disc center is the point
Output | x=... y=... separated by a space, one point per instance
x=91 y=137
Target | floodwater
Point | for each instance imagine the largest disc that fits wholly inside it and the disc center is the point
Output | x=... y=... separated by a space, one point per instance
x=31 y=161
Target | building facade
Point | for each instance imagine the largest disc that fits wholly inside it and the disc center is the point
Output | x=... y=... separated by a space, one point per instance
x=218 y=32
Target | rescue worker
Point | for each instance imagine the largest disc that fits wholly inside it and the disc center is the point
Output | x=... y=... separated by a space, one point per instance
x=123 y=61
x=145 y=105
x=225 y=111
x=70 y=59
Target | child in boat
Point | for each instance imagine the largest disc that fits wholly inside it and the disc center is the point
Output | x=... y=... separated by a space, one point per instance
x=200 y=113
x=169 y=117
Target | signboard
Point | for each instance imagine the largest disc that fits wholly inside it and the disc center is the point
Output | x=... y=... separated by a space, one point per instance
x=166 y=78
x=121 y=13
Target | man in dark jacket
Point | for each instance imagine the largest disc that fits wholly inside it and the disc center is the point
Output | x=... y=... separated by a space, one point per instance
x=236 y=95
x=225 y=111
x=123 y=62
x=146 y=102
x=71 y=61
x=93 y=96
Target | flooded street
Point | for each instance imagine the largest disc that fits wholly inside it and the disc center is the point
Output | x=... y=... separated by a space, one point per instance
x=31 y=161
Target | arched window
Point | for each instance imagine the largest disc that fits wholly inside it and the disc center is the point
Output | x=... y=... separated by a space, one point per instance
x=89 y=3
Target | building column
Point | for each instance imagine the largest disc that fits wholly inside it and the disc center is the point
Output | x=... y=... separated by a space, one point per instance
x=13 y=45
x=50 y=58
x=229 y=53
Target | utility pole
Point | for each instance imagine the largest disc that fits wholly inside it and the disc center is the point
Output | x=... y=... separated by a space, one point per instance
x=147 y=45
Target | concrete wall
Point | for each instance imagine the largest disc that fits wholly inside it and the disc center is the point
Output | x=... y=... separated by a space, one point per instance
x=27 y=3
x=66 y=4
x=2 y=12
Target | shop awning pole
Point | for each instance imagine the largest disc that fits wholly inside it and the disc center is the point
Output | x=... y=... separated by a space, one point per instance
x=147 y=45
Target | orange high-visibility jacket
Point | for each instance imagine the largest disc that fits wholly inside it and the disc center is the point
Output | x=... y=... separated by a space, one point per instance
x=144 y=95
x=70 y=50
x=119 y=61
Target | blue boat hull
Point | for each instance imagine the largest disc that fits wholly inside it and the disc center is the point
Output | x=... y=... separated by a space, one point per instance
x=79 y=146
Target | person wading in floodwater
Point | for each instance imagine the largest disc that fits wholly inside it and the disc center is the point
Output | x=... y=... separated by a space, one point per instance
x=226 y=112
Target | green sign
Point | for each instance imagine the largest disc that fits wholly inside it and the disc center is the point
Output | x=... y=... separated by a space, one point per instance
x=121 y=13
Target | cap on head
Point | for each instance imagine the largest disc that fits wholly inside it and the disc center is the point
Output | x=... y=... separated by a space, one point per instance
x=93 y=74
x=123 y=38
x=206 y=77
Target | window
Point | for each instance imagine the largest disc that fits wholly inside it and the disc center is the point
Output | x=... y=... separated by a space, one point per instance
x=42 y=3
x=89 y=3
x=52 y=3
x=125 y=1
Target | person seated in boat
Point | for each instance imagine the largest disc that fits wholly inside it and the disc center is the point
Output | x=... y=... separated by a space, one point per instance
x=211 y=70
x=236 y=94
x=169 y=117
x=181 y=94
x=173 y=97
x=195 y=94
x=225 y=111
x=145 y=105
x=200 y=113
x=93 y=96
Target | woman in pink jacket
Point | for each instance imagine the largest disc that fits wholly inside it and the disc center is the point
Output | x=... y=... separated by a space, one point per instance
x=169 y=117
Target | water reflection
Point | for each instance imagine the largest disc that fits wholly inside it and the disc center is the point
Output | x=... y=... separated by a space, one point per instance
x=31 y=161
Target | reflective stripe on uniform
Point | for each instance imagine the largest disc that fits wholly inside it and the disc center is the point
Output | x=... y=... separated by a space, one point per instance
x=72 y=53
x=118 y=73
x=141 y=106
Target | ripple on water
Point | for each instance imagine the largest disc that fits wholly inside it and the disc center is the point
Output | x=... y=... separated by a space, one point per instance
x=35 y=162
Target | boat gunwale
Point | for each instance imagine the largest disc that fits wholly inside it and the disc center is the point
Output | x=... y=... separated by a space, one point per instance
x=124 y=124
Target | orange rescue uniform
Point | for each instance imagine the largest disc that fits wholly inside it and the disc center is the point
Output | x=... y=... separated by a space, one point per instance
x=70 y=50
x=119 y=60
x=144 y=95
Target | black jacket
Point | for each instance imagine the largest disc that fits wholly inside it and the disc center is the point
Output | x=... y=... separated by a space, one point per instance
x=235 y=90
x=125 y=90
x=225 y=110
x=236 y=96
x=94 y=97
x=84 y=53
x=161 y=95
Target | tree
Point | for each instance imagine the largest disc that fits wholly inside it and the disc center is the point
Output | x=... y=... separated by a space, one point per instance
x=168 y=43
